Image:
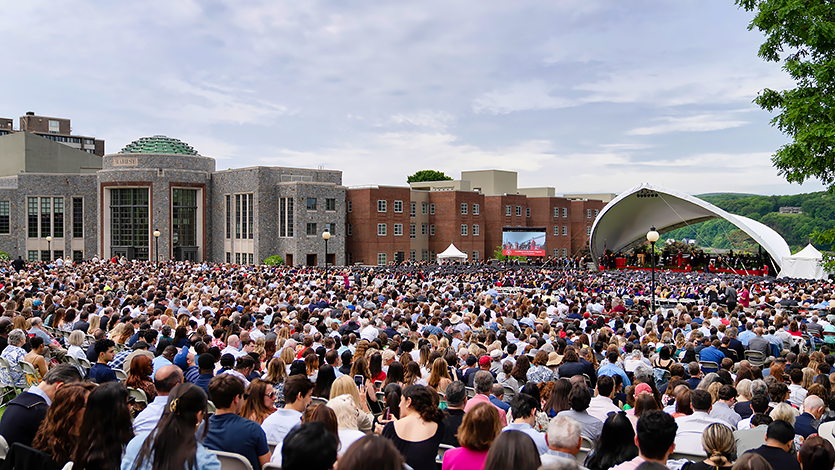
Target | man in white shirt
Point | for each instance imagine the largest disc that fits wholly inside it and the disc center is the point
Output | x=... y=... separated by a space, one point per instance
x=796 y=391
x=232 y=345
x=691 y=428
x=602 y=404
x=297 y=395
x=165 y=380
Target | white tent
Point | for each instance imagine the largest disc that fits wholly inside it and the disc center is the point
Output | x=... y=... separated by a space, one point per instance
x=452 y=253
x=805 y=264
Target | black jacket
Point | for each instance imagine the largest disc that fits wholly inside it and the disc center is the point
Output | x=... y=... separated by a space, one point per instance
x=22 y=418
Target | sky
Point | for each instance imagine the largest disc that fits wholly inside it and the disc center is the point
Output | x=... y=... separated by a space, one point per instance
x=581 y=95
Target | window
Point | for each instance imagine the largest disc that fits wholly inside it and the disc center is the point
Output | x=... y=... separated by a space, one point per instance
x=398 y=207
x=463 y=208
x=32 y=219
x=412 y=209
x=412 y=255
x=331 y=228
x=381 y=206
x=432 y=230
x=54 y=127
x=350 y=206
x=237 y=216
x=32 y=255
x=398 y=230
x=285 y=217
x=310 y=230
x=556 y=252
x=507 y=210
x=565 y=251
x=423 y=208
x=244 y=216
x=565 y=212
x=588 y=213
x=228 y=257
x=45 y=255
x=596 y=212
x=463 y=230
x=424 y=255
x=311 y=203
x=381 y=259
x=350 y=230
x=475 y=255
x=4 y=217
x=556 y=230
x=381 y=230
x=518 y=211
x=184 y=217
x=77 y=256
x=229 y=218
x=412 y=230
x=475 y=209
x=251 y=258
x=432 y=209
x=565 y=230
x=130 y=220
x=237 y=258
x=556 y=212
x=476 y=230
x=424 y=229
x=58 y=254
x=588 y=231
x=58 y=218
x=527 y=212
x=46 y=217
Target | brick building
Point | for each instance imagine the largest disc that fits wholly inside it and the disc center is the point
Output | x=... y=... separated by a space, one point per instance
x=389 y=223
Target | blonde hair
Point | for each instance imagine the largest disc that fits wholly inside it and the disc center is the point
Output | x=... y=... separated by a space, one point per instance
x=783 y=411
x=719 y=445
x=344 y=408
x=345 y=385
x=76 y=338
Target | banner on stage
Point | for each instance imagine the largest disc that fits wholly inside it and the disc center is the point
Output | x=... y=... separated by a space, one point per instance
x=523 y=241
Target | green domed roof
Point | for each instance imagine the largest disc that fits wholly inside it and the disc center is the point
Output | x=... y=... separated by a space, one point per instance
x=159 y=144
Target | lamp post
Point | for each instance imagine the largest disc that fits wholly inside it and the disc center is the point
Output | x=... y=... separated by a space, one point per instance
x=652 y=237
x=156 y=242
x=326 y=236
x=49 y=247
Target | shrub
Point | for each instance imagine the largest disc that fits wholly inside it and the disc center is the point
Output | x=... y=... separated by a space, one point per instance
x=274 y=260
x=4 y=256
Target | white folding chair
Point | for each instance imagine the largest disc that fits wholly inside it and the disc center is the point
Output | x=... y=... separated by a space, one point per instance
x=232 y=461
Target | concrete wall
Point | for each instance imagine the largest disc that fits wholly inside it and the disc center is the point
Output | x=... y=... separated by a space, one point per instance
x=24 y=152
x=491 y=182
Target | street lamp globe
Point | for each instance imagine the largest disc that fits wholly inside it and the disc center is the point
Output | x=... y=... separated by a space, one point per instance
x=652 y=235
x=326 y=235
x=49 y=239
x=156 y=234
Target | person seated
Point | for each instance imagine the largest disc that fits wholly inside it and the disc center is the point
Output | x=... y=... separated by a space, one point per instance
x=778 y=442
x=691 y=428
x=816 y=453
x=564 y=440
x=809 y=421
x=346 y=417
x=309 y=446
x=13 y=354
x=58 y=435
x=479 y=429
x=101 y=372
x=523 y=410
x=656 y=436
x=580 y=399
x=35 y=357
x=456 y=400
x=25 y=413
x=298 y=391
x=229 y=432
x=165 y=379
x=718 y=444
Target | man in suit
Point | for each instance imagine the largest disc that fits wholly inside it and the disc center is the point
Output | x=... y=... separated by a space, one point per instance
x=24 y=414
x=808 y=421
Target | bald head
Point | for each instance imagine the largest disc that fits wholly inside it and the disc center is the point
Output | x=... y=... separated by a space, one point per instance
x=166 y=378
x=233 y=341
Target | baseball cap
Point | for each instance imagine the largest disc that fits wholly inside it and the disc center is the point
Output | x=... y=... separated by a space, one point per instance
x=643 y=388
x=484 y=361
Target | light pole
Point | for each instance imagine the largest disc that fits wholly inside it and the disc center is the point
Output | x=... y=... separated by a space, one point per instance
x=652 y=237
x=326 y=236
x=49 y=247
x=156 y=242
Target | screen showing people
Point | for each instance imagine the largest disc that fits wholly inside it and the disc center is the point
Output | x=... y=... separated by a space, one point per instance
x=530 y=242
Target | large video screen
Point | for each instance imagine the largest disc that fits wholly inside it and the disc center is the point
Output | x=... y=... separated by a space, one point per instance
x=523 y=241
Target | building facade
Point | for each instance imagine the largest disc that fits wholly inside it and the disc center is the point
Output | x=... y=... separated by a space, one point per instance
x=389 y=223
x=54 y=129
x=56 y=200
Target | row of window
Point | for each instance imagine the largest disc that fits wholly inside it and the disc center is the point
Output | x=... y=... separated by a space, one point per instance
x=330 y=204
x=244 y=213
x=382 y=258
x=312 y=230
x=241 y=258
x=61 y=138
x=45 y=255
x=557 y=252
x=425 y=208
x=425 y=229
x=45 y=217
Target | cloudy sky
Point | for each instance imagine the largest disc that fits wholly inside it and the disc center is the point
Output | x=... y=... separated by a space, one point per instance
x=581 y=95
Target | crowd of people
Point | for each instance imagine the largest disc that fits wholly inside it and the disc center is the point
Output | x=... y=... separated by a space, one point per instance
x=136 y=365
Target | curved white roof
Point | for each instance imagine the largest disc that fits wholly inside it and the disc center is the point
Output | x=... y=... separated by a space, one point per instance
x=625 y=221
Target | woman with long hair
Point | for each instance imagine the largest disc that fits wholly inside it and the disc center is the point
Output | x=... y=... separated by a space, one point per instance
x=477 y=432
x=418 y=432
x=58 y=434
x=125 y=335
x=520 y=370
x=139 y=376
x=615 y=445
x=106 y=428
x=439 y=377
x=372 y=451
x=375 y=367
x=720 y=447
x=346 y=417
x=323 y=384
x=276 y=374
x=683 y=407
x=345 y=385
x=360 y=367
x=512 y=449
x=259 y=402
x=172 y=445
x=558 y=400
x=413 y=375
x=395 y=374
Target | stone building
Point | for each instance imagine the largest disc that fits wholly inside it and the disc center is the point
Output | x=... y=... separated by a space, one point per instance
x=56 y=200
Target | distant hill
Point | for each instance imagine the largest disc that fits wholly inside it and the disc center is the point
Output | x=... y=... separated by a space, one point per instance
x=818 y=214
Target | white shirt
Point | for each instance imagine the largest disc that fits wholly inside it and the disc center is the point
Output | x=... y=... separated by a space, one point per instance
x=148 y=418
x=796 y=395
x=601 y=406
x=277 y=425
x=233 y=351
x=690 y=430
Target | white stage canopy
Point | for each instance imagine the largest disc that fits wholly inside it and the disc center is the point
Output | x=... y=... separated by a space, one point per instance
x=805 y=264
x=625 y=221
x=451 y=253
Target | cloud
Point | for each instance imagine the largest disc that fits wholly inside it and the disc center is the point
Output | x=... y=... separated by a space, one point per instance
x=701 y=123
x=435 y=120
x=521 y=96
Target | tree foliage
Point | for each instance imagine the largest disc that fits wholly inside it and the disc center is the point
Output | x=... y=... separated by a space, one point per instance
x=428 y=175
x=800 y=34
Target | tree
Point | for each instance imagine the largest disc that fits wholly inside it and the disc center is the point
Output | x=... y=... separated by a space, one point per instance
x=801 y=35
x=428 y=175
x=826 y=238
